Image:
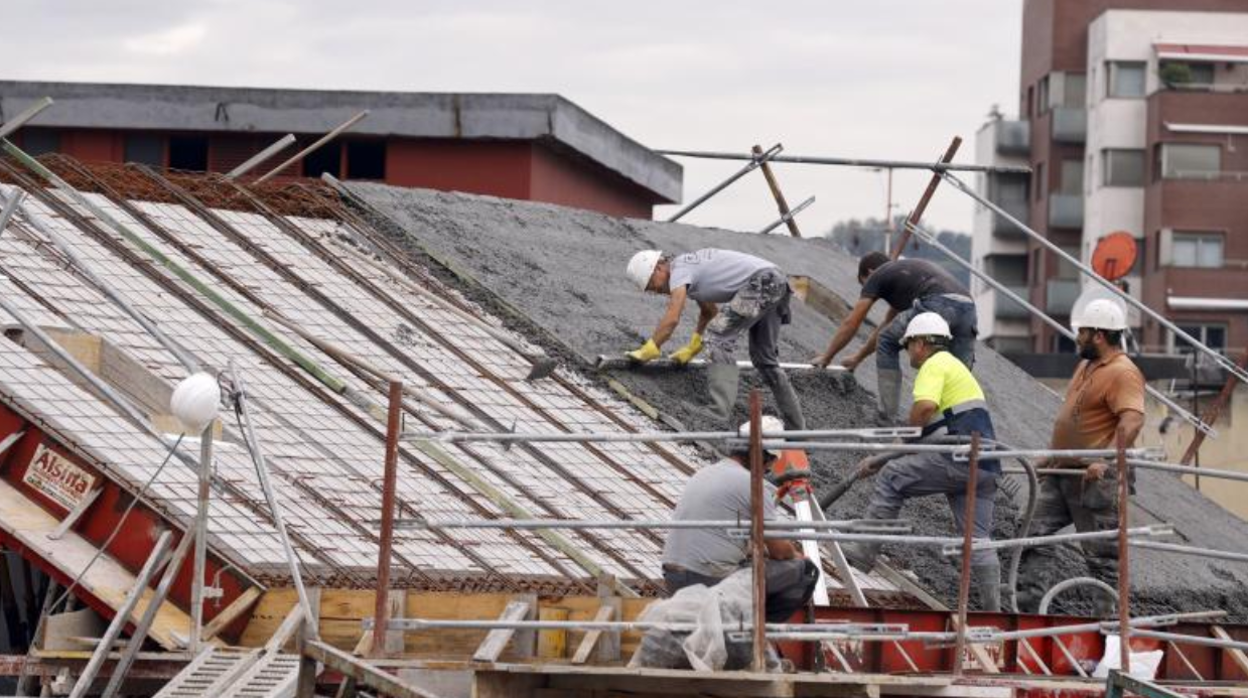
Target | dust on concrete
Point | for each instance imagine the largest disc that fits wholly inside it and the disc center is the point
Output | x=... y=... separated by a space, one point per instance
x=555 y=275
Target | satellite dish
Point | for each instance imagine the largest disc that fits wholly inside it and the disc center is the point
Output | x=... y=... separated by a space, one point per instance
x=1114 y=255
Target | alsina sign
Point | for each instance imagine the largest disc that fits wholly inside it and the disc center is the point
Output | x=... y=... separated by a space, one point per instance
x=57 y=478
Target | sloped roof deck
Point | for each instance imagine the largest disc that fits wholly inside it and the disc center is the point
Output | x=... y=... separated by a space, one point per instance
x=278 y=253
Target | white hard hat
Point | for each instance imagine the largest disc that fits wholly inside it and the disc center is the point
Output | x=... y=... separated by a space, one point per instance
x=642 y=265
x=1101 y=314
x=927 y=325
x=769 y=424
x=196 y=401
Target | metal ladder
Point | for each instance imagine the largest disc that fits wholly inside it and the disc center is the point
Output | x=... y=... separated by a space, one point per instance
x=224 y=673
x=210 y=672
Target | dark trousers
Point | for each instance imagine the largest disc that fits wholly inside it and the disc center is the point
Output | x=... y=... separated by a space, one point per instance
x=790 y=585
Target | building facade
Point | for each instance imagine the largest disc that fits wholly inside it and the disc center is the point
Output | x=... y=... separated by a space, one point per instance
x=1133 y=117
x=535 y=147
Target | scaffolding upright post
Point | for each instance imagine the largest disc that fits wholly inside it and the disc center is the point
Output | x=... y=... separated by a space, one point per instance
x=968 y=530
x=1124 y=563
x=381 y=608
x=757 y=551
x=201 y=538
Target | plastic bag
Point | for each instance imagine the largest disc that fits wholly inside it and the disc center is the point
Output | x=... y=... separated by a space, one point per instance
x=713 y=611
x=1144 y=665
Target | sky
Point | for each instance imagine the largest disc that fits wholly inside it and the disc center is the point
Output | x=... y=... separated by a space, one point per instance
x=887 y=79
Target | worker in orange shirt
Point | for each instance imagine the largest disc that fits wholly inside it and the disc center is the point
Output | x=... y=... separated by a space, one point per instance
x=1105 y=399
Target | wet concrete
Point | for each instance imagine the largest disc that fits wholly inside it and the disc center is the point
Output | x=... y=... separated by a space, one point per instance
x=556 y=275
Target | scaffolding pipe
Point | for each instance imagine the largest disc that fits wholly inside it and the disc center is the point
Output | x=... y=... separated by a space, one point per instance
x=1192 y=550
x=10 y=207
x=416 y=624
x=251 y=163
x=652 y=437
x=788 y=217
x=200 y=567
x=629 y=524
x=755 y=162
x=1057 y=538
x=927 y=237
x=271 y=496
x=1218 y=358
x=758 y=549
x=319 y=142
x=850 y=162
x=20 y=120
x=1179 y=638
x=968 y=540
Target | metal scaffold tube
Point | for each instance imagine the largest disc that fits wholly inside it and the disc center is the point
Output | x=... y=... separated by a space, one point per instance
x=654 y=437
x=1057 y=538
x=849 y=162
x=930 y=239
x=520 y=524
x=1218 y=358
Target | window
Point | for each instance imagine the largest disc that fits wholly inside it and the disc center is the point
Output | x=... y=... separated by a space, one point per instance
x=1202 y=250
x=1124 y=168
x=1062 y=344
x=327 y=158
x=1126 y=79
x=145 y=149
x=1072 y=177
x=1031 y=93
x=37 y=141
x=366 y=160
x=1042 y=94
x=1039 y=180
x=1010 y=270
x=1075 y=90
x=1182 y=73
x=1211 y=335
x=1190 y=160
x=188 y=153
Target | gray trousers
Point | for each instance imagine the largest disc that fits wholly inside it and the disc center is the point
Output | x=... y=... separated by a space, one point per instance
x=1090 y=507
x=923 y=474
x=759 y=309
x=963 y=325
x=790 y=585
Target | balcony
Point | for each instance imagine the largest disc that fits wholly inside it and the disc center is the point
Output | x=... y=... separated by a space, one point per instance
x=1006 y=308
x=1066 y=211
x=1013 y=137
x=1070 y=125
x=1060 y=295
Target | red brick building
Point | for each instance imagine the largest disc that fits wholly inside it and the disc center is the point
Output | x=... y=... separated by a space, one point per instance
x=536 y=147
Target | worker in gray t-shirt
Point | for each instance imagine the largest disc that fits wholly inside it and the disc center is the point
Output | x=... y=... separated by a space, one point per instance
x=736 y=293
x=721 y=492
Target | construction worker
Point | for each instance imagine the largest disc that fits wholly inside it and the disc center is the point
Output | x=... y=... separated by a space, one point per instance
x=754 y=294
x=1105 y=399
x=947 y=402
x=721 y=492
x=910 y=287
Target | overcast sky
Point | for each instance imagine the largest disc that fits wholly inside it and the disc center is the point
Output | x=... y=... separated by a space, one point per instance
x=884 y=79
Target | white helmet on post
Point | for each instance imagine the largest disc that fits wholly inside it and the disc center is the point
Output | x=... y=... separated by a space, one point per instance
x=642 y=265
x=1101 y=314
x=926 y=325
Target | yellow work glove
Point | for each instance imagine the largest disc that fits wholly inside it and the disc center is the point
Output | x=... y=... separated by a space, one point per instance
x=646 y=352
x=686 y=353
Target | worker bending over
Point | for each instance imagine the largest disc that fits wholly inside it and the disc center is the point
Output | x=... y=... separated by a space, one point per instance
x=755 y=297
x=910 y=287
x=947 y=402
x=1105 y=398
x=721 y=492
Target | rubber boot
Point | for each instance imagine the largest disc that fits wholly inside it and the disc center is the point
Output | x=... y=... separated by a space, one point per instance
x=861 y=556
x=888 y=384
x=786 y=399
x=987 y=581
x=721 y=383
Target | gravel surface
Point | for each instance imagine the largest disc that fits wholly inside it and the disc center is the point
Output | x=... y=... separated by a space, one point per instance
x=557 y=275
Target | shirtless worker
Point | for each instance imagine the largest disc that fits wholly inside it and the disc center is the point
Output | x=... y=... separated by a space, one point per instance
x=736 y=294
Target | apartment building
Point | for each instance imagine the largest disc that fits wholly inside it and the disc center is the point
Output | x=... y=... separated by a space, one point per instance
x=1133 y=117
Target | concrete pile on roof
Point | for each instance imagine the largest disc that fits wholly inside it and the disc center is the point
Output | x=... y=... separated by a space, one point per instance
x=559 y=273
x=325 y=453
